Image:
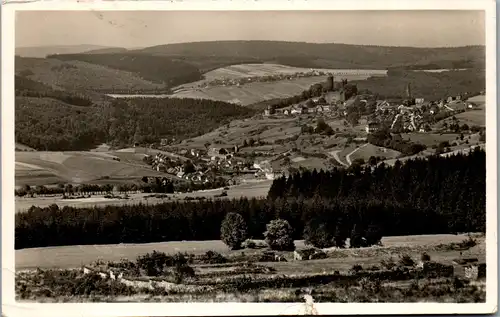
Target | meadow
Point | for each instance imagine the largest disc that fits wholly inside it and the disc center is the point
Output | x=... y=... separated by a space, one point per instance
x=50 y=168
x=250 y=70
x=250 y=188
x=375 y=274
x=253 y=92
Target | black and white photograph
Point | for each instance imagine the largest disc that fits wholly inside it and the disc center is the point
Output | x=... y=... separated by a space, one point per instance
x=250 y=156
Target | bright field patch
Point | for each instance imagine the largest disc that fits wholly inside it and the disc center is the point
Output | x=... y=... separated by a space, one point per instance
x=75 y=167
x=260 y=91
x=369 y=150
x=472 y=118
x=253 y=92
x=253 y=70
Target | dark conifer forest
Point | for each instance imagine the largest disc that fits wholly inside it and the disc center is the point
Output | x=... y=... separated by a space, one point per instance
x=435 y=196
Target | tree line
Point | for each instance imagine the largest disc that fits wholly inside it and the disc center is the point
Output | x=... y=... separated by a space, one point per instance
x=438 y=196
x=156 y=185
x=450 y=189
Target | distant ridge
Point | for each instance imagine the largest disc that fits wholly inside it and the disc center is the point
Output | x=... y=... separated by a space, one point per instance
x=43 y=51
x=318 y=54
x=108 y=50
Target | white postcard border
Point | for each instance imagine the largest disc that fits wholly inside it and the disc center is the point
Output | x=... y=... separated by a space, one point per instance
x=11 y=308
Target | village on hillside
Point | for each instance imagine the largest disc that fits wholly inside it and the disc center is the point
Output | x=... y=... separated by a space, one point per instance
x=252 y=159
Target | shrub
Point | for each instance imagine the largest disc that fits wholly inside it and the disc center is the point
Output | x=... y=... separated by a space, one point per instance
x=425 y=257
x=372 y=286
x=357 y=240
x=467 y=243
x=373 y=235
x=181 y=268
x=319 y=235
x=211 y=257
x=279 y=235
x=233 y=230
x=406 y=260
x=389 y=264
x=154 y=263
x=251 y=244
x=356 y=268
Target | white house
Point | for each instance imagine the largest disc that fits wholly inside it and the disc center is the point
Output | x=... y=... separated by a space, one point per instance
x=371 y=127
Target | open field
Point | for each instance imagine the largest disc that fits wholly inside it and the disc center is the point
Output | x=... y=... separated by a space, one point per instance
x=75 y=256
x=246 y=276
x=268 y=69
x=249 y=189
x=480 y=100
x=47 y=168
x=472 y=118
x=369 y=150
x=253 y=92
x=429 y=139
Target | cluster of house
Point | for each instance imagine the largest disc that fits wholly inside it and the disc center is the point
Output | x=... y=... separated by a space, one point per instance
x=410 y=116
x=207 y=164
x=268 y=78
x=176 y=167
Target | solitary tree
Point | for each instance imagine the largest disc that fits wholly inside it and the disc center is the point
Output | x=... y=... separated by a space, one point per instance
x=279 y=235
x=233 y=231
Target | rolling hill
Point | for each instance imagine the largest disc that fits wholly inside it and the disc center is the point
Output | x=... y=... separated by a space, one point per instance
x=82 y=76
x=48 y=168
x=43 y=51
x=176 y=64
x=330 y=55
x=157 y=69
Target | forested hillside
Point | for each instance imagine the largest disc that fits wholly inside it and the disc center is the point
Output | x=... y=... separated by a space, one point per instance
x=51 y=125
x=157 y=69
x=453 y=187
x=428 y=85
x=302 y=54
x=149 y=119
x=29 y=88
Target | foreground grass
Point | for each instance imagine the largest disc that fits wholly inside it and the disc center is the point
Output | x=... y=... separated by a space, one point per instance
x=250 y=276
x=73 y=288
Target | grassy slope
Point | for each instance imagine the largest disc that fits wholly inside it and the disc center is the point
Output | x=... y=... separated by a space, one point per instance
x=253 y=92
x=45 y=168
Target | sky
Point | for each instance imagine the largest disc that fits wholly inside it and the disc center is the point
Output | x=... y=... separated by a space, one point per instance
x=133 y=29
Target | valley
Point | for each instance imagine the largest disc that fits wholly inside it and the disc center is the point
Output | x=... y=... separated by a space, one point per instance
x=211 y=171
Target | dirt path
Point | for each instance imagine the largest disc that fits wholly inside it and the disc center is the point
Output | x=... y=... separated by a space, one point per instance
x=348 y=156
x=335 y=155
